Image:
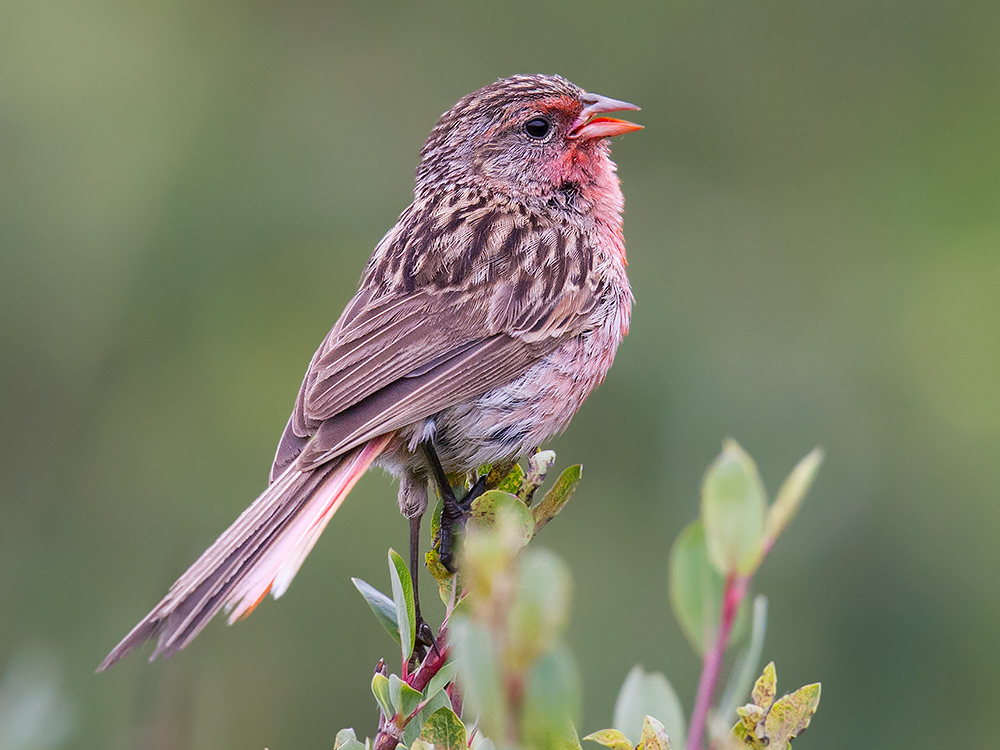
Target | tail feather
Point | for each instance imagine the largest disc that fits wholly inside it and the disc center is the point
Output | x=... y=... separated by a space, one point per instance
x=261 y=551
x=282 y=560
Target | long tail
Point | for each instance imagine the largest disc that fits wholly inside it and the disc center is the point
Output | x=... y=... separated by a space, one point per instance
x=262 y=551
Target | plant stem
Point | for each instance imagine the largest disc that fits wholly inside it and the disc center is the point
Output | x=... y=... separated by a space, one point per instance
x=733 y=593
x=388 y=733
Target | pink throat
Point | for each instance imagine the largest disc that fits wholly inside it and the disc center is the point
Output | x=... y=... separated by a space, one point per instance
x=593 y=170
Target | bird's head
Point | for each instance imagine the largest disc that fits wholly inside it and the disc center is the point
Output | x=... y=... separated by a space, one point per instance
x=528 y=136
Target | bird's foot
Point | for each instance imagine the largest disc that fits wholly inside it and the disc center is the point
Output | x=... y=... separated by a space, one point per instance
x=423 y=640
x=455 y=513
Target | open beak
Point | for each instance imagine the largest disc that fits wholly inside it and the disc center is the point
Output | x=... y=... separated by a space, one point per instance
x=589 y=126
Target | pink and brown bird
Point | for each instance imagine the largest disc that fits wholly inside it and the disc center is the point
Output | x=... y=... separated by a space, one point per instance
x=483 y=319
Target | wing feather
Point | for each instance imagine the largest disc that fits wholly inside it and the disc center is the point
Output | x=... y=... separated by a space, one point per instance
x=492 y=299
x=471 y=373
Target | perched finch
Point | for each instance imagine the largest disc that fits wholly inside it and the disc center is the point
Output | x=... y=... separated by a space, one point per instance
x=483 y=320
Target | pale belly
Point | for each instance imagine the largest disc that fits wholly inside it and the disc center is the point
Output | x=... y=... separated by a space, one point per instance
x=511 y=421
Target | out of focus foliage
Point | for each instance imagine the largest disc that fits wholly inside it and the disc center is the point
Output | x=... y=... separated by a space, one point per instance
x=189 y=191
x=497 y=674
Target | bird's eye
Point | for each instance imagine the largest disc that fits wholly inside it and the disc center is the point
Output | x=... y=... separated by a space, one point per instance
x=537 y=127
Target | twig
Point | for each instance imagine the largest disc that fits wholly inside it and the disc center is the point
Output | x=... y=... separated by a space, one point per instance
x=389 y=732
x=733 y=594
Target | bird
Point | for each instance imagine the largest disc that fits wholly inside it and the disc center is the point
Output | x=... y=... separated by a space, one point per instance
x=483 y=319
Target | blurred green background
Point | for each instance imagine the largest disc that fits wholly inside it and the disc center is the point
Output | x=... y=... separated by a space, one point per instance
x=189 y=191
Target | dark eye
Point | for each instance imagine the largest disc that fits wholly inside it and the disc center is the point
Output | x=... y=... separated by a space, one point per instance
x=537 y=127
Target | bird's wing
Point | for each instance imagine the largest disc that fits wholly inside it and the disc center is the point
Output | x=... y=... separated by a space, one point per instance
x=440 y=319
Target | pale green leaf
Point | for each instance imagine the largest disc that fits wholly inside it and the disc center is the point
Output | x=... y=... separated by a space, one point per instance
x=552 y=701
x=444 y=578
x=444 y=730
x=383 y=607
x=538 y=467
x=745 y=730
x=412 y=730
x=539 y=611
x=648 y=694
x=654 y=735
x=480 y=674
x=481 y=742
x=511 y=482
x=344 y=735
x=440 y=681
x=790 y=715
x=380 y=689
x=404 y=698
x=490 y=505
x=557 y=497
x=612 y=738
x=402 y=594
x=560 y=736
x=436 y=521
x=695 y=588
x=771 y=724
x=732 y=507
x=791 y=494
x=766 y=687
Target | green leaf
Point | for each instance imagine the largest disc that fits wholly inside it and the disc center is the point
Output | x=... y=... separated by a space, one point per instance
x=511 y=483
x=439 y=681
x=444 y=578
x=612 y=738
x=404 y=698
x=745 y=665
x=480 y=673
x=412 y=730
x=343 y=736
x=350 y=744
x=557 y=497
x=695 y=588
x=383 y=607
x=750 y=716
x=645 y=695
x=551 y=702
x=791 y=494
x=765 y=688
x=654 y=736
x=538 y=467
x=380 y=689
x=444 y=730
x=436 y=521
x=732 y=508
x=490 y=505
x=402 y=594
x=481 y=742
x=771 y=724
x=539 y=611
x=561 y=736
x=790 y=715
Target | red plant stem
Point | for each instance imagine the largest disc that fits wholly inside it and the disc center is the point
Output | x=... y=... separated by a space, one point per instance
x=388 y=733
x=733 y=593
x=432 y=664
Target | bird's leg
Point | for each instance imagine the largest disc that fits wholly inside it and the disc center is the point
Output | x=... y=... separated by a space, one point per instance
x=452 y=511
x=424 y=634
x=474 y=492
